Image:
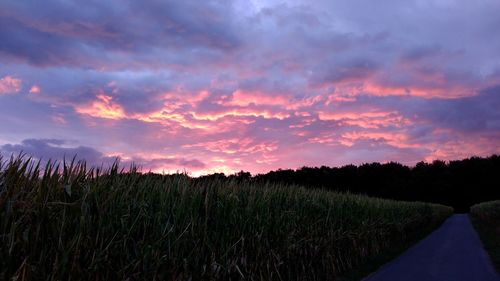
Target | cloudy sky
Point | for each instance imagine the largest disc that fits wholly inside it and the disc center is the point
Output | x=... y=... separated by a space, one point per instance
x=223 y=86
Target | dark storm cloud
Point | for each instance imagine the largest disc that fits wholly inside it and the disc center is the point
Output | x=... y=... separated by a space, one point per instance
x=95 y=33
x=52 y=149
x=478 y=113
x=56 y=150
x=472 y=114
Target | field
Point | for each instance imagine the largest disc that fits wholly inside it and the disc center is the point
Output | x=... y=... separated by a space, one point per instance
x=486 y=220
x=70 y=222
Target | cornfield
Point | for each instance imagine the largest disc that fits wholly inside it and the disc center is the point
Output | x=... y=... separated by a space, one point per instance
x=487 y=211
x=486 y=220
x=67 y=221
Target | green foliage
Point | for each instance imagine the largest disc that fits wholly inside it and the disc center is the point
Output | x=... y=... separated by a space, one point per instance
x=486 y=220
x=66 y=221
x=487 y=211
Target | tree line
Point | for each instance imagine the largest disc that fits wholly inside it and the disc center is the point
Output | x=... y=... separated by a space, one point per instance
x=457 y=183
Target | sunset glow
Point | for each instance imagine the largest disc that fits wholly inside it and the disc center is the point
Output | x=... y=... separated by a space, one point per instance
x=210 y=86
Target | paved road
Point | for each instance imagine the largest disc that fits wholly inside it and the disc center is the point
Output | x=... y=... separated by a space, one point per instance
x=453 y=252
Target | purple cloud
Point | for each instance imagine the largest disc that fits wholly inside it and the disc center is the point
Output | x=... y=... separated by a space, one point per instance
x=64 y=34
x=221 y=86
x=58 y=150
x=53 y=149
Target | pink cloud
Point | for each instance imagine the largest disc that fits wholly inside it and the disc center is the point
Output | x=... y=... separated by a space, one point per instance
x=102 y=107
x=243 y=98
x=418 y=91
x=35 y=89
x=242 y=146
x=326 y=139
x=333 y=98
x=9 y=84
x=452 y=145
x=168 y=117
x=182 y=97
x=395 y=139
x=59 y=119
x=215 y=168
x=286 y=86
x=241 y=112
x=161 y=116
x=418 y=84
x=368 y=120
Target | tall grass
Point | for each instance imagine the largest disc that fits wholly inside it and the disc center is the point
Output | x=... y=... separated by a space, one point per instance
x=486 y=220
x=67 y=222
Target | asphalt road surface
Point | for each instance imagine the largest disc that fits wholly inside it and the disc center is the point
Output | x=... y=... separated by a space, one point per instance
x=453 y=252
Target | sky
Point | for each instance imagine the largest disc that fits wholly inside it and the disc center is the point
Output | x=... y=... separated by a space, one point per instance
x=223 y=86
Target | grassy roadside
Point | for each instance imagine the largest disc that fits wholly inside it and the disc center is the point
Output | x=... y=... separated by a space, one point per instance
x=372 y=264
x=486 y=220
x=70 y=222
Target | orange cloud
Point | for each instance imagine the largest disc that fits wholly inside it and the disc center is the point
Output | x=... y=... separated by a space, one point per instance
x=35 y=89
x=174 y=111
x=103 y=107
x=208 y=123
x=9 y=84
x=395 y=139
x=159 y=163
x=325 y=139
x=367 y=120
x=232 y=155
x=247 y=98
x=233 y=146
x=169 y=117
x=180 y=109
x=430 y=87
x=215 y=168
x=161 y=116
x=242 y=112
x=460 y=145
x=424 y=92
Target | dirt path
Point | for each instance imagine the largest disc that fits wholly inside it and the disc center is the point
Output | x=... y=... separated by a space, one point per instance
x=453 y=252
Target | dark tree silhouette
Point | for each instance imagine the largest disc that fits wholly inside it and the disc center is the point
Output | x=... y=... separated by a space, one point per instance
x=459 y=183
